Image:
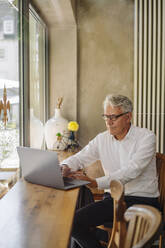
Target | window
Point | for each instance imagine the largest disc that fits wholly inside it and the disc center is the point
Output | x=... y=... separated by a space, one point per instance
x=2 y=53
x=8 y=27
x=9 y=85
x=22 y=79
x=37 y=48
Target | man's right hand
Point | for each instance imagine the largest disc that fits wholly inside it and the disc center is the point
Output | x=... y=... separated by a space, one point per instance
x=65 y=170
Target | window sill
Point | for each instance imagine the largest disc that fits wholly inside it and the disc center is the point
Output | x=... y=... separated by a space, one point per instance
x=8 y=177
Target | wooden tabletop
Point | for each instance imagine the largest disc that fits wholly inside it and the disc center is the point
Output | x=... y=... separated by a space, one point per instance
x=36 y=216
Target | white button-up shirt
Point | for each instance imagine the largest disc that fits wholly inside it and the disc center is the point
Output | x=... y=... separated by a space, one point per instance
x=130 y=160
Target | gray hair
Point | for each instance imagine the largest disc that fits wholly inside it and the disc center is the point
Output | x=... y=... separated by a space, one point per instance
x=119 y=101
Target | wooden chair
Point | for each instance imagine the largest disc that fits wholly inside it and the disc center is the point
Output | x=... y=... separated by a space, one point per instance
x=160 y=163
x=117 y=193
x=139 y=226
x=135 y=227
x=144 y=225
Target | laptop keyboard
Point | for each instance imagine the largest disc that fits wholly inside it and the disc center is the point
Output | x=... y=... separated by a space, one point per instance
x=68 y=184
x=67 y=181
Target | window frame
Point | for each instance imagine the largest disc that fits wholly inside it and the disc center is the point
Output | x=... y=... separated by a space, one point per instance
x=24 y=59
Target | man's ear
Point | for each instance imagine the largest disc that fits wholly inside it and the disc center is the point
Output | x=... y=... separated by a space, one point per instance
x=129 y=116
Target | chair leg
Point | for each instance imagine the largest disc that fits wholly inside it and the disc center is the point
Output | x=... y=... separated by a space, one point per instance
x=160 y=241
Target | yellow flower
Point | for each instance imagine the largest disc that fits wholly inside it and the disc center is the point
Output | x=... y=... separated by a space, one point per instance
x=73 y=126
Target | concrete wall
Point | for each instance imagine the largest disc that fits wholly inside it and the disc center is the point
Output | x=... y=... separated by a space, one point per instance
x=88 y=59
x=105 y=58
x=63 y=69
x=99 y=61
x=59 y=16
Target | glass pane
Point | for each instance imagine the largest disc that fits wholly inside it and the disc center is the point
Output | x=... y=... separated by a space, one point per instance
x=37 y=80
x=9 y=84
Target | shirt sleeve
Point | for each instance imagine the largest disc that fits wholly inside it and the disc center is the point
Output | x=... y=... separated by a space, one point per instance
x=146 y=149
x=88 y=155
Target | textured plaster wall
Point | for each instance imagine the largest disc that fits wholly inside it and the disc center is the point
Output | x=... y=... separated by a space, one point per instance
x=63 y=69
x=59 y=15
x=89 y=60
x=105 y=58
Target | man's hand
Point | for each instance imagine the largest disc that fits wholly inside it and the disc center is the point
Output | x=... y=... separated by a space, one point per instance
x=66 y=171
x=82 y=176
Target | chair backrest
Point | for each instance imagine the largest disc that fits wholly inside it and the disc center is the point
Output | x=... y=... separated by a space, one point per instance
x=160 y=164
x=144 y=223
x=135 y=227
x=119 y=207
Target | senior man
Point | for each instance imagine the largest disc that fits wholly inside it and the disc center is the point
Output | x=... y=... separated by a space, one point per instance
x=127 y=153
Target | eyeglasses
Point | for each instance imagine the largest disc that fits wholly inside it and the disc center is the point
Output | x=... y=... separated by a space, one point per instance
x=113 y=117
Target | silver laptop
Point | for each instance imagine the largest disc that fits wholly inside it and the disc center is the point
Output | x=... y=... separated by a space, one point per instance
x=42 y=167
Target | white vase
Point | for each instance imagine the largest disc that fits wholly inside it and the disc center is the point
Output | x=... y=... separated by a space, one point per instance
x=54 y=126
x=36 y=131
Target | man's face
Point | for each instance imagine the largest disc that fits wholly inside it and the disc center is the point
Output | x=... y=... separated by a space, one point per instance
x=121 y=124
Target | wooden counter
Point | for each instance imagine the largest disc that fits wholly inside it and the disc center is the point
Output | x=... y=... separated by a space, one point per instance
x=36 y=216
